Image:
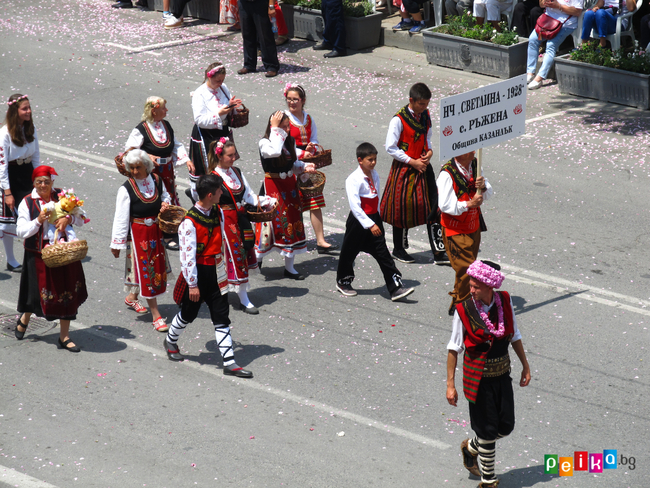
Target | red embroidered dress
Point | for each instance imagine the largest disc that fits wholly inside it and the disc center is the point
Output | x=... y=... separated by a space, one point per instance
x=468 y=222
x=162 y=149
x=303 y=136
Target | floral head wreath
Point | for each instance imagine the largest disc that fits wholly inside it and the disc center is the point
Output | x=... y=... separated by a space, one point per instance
x=214 y=71
x=292 y=86
x=218 y=149
x=11 y=102
x=485 y=273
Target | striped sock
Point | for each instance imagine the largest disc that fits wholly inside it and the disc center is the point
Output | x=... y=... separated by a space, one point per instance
x=224 y=341
x=486 y=455
x=176 y=328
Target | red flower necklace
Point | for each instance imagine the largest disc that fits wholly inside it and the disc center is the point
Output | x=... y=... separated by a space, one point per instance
x=500 y=330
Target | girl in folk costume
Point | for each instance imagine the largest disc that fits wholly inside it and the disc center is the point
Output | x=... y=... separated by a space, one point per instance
x=238 y=237
x=286 y=232
x=303 y=129
x=53 y=293
x=212 y=102
x=155 y=136
x=410 y=197
x=19 y=155
x=135 y=228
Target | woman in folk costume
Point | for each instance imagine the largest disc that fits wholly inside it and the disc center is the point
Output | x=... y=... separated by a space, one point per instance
x=239 y=239
x=53 y=293
x=212 y=102
x=410 y=197
x=19 y=155
x=286 y=232
x=303 y=129
x=155 y=136
x=135 y=229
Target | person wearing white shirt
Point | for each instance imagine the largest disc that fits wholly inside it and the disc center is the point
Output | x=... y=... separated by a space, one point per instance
x=461 y=218
x=19 y=156
x=364 y=230
x=136 y=230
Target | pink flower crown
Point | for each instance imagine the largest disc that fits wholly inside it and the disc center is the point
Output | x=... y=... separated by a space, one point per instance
x=213 y=72
x=486 y=274
x=11 y=102
x=290 y=86
x=218 y=148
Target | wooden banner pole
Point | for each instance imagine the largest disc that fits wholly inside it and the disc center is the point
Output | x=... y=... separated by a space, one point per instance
x=479 y=162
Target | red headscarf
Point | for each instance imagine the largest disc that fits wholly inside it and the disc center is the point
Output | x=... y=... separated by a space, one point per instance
x=43 y=171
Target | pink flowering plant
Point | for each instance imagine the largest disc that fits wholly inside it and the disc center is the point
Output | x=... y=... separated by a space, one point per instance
x=466 y=26
x=351 y=8
x=636 y=61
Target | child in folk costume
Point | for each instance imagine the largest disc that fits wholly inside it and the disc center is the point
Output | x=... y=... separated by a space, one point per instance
x=410 y=197
x=364 y=231
x=303 y=129
x=204 y=276
x=484 y=326
x=286 y=232
x=239 y=239
x=135 y=229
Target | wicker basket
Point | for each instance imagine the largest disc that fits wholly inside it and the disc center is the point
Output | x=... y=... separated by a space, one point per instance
x=239 y=118
x=322 y=158
x=60 y=254
x=256 y=214
x=119 y=162
x=170 y=219
x=313 y=186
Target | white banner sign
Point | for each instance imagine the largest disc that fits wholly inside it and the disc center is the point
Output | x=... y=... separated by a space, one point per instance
x=482 y=117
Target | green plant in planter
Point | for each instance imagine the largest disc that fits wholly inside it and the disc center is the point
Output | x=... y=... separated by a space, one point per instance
x=466 y=26
x=636 y=61
x=351 y=8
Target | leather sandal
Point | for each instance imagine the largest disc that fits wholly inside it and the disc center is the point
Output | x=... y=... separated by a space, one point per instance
x=470 y=461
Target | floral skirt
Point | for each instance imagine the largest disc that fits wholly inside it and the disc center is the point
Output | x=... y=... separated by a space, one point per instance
x=147 y=265
x=238 y=260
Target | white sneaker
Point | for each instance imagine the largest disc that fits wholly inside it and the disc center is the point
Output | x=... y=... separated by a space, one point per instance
x=166 y=15
x=173 y=23
x=530 y=77
x=534 y=85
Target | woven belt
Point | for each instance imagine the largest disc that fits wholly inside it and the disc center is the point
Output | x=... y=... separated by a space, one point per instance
x=278 y=175
x=148 y=221
x=496 y=366
x=19 y=162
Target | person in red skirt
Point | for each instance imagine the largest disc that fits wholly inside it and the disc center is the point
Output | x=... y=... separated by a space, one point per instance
x=303 y=129
x=286 y=232
x=155 y=136
x=135 y=229
x=53 y=293
x=238 y=236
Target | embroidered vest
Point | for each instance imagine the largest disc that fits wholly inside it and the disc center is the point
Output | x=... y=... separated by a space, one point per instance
x=208 y=234
x=480 y=345
x=413 y=142
x=468 y=222
x=301 y=133
x=228 y=193
x=35 y=242
x=153 y=147
x=141 y=207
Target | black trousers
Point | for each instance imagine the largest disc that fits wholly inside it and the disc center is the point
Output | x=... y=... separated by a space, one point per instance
x=493 y=413
x=644 y=27
x=356 y=240
x=256 y=29
x=334 y=33
x=210 y=294
x=178 y=6
x=523 y=11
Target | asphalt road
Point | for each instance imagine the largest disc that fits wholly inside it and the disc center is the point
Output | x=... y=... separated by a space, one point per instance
x=347 y=391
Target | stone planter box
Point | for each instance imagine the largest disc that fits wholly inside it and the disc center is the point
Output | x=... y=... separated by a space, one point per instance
x=601 y=83
x=306 y=23
x=476 y=56
x=199 y=9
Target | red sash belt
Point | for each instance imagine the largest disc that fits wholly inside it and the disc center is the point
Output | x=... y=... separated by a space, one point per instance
x=370 y=205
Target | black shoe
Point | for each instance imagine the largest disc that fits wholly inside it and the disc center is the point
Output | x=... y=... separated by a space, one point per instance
x=239 y=372
x=173 y=352
x=123 y=5
x=322 y=46
x=142 y=4
x=249 y=310
x=440 y=258
x=293 y=276
x=402 y=256
x=346 y=290
x=335 y=54
x=245 y=71
x=20 y=335
x=401 y=293
x=14 y=269
x=65 y=344
x=271 y=74
x=326 y=250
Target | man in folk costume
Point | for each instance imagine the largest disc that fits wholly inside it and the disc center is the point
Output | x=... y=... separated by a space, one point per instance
x=461 y=218
x=484 y=325
x=410 y=197
x=204 y=277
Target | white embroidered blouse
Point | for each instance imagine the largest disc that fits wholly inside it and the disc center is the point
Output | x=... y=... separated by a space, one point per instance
x=136 y=139
x=10 y=152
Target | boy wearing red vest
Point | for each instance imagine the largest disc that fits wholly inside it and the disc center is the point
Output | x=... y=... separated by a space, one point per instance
x=410 y=197
x=364 y=231
x=461 y=218
x=484 y=325
x=204 y=277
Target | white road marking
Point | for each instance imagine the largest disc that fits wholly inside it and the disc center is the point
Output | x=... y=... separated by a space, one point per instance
x=559 y=285
x=21 y=480
x=150 y=48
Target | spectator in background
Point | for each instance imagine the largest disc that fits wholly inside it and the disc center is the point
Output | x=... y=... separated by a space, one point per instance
x=458 y=7
x=334 y=32
x=644 y=39
x=412 y=20
x=492 y=9
x=602 y=19
x=525 y=15
x=255 y=19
